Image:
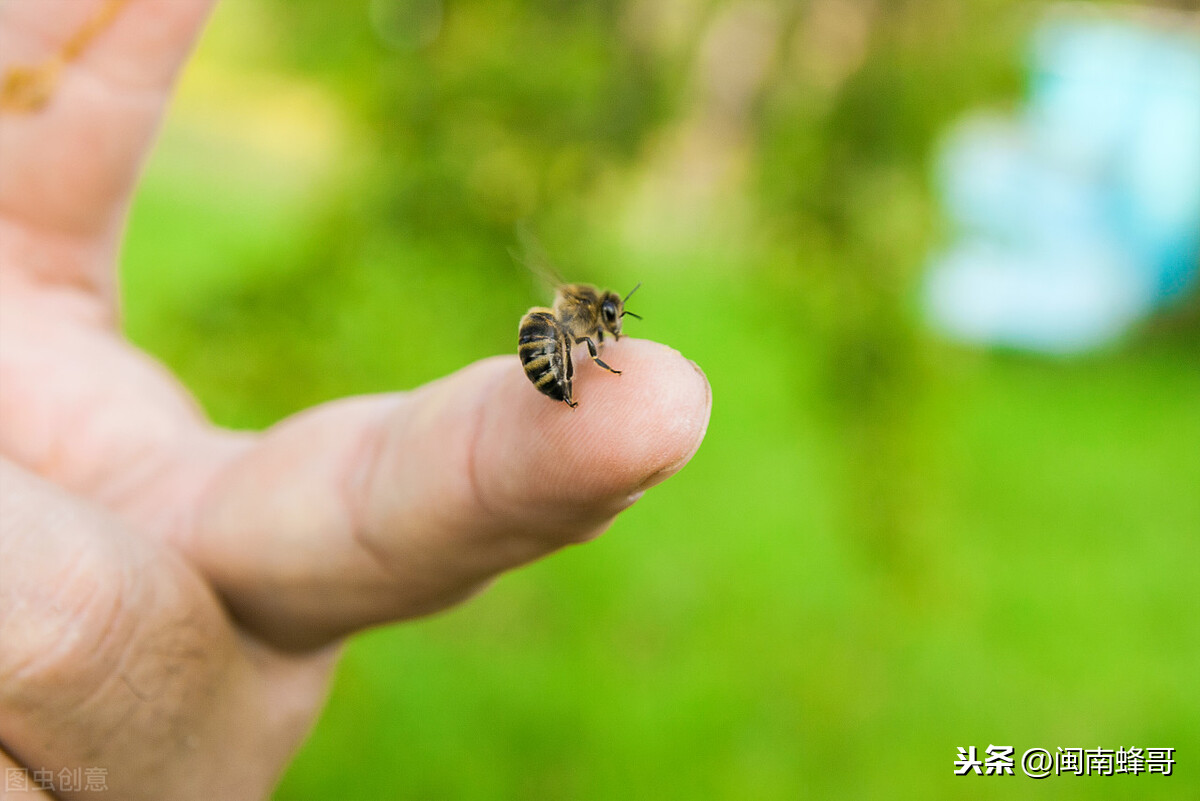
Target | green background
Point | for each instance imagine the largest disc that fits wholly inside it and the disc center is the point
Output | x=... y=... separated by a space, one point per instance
x=887 y=547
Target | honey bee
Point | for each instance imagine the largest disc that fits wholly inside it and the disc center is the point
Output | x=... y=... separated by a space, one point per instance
x=582 y=314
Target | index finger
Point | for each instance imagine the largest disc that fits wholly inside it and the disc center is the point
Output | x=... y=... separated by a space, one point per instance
x=381 y=508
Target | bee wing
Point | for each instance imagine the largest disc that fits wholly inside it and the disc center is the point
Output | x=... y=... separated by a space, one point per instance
x=535 y=259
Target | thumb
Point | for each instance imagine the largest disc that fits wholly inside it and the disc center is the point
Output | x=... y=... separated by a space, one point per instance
x=387 y=507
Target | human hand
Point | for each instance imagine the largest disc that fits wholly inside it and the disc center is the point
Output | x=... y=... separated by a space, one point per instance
x=172 y=594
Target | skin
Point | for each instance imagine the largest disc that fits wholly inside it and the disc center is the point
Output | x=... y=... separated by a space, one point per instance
x=172 y=594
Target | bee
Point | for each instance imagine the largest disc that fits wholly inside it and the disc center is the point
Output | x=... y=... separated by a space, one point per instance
x=582 y=314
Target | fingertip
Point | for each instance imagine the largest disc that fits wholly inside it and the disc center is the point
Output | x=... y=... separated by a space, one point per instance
x=658 y=416
x=628 y=433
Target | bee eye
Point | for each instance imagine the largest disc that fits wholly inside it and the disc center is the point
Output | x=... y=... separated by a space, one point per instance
x=610 y=312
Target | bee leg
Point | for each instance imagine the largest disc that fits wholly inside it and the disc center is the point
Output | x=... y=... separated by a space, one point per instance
x=591 y=346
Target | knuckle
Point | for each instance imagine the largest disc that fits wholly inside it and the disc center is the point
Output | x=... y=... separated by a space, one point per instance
x=63 y=628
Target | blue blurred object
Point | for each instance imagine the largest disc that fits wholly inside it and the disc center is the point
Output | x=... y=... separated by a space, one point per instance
x=1082 y=215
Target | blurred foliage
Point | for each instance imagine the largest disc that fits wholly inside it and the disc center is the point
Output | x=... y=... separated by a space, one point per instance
x=886 y=548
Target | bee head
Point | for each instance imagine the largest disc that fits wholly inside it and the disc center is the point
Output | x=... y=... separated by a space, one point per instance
x=612 y=309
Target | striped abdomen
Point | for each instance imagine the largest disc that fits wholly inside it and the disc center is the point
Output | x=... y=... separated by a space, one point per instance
x=546 y=354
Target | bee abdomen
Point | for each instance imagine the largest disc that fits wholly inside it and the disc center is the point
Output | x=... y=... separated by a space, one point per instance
x=536 y=326
x=545 y=355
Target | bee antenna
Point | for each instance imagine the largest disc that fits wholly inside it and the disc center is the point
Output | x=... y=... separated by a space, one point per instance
x=631 y=314
x=635 y=289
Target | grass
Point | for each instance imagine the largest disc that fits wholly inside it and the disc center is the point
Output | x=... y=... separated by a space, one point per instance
x=730 y=637
x=877 y=556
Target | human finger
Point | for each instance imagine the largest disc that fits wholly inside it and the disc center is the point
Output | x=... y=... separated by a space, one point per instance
x=103 y=70
x=19 y=783
x=382 y=508
x=115 y=655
